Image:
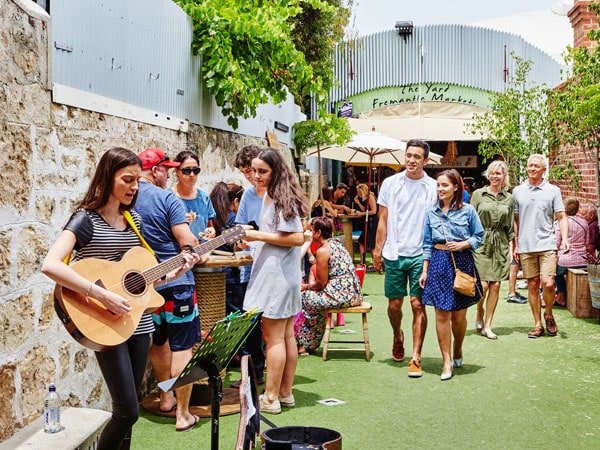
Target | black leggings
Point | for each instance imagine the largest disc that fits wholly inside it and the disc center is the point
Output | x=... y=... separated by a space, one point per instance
x=123 y=369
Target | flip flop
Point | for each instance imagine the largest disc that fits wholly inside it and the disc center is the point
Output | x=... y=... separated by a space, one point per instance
x=166 y=411
x=189 y=427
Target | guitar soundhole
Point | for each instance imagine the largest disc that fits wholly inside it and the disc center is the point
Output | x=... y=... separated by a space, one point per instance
x=135 y=283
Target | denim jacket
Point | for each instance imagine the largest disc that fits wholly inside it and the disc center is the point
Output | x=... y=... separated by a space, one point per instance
x=459 y=224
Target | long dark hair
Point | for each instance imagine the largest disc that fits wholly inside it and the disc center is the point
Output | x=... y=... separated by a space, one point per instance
x=101 y=185
x=284 y=189
x=456 y=180
x=222 y=196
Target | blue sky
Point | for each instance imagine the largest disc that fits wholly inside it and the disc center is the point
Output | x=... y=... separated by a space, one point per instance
x=380 y=15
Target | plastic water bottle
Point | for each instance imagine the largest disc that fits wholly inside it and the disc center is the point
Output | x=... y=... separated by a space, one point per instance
x=52 y=411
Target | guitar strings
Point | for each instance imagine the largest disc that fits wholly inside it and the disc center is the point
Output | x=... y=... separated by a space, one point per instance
x=142 y=279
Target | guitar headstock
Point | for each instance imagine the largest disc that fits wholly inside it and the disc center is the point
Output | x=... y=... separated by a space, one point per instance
x=234 y=234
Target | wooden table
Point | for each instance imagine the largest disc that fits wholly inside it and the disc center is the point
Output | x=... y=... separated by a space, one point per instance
x=346 y=220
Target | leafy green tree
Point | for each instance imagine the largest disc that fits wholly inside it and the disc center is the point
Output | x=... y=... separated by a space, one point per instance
x=316 y=32
x=519 y=124
x=249 y=53
x=576 y=104
x=327 y=130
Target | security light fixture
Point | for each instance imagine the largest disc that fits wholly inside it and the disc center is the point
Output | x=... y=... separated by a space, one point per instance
x=405 y=28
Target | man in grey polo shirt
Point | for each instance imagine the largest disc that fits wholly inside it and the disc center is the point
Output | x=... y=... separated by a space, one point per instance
x=537 y=204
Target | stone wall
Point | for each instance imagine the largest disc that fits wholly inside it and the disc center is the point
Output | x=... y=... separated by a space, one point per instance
x=47 y=154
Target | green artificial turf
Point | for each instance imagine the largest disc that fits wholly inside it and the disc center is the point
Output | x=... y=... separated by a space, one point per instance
x=511 y=393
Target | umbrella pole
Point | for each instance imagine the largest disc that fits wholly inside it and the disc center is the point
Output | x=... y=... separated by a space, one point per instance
x=319 y=168
x=364 y=259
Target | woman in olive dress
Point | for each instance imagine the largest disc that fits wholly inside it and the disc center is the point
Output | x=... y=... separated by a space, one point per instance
x=495 y=208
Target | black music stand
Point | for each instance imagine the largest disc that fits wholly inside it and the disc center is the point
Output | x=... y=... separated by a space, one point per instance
x=213 y=355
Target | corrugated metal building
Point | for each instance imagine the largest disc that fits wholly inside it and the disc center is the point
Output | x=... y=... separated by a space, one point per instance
x=432 y=75
x=428 y=82
x=133 y=59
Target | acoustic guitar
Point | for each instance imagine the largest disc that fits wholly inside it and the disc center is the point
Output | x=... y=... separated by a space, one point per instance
x=89 y=322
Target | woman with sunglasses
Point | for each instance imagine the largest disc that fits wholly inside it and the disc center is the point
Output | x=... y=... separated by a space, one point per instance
x=198 y=206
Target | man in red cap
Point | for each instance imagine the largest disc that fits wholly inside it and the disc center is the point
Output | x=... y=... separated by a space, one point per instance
x=157 y=163
x=176 y=323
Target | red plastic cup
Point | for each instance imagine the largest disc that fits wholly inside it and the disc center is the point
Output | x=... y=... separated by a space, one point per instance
x=360 y=271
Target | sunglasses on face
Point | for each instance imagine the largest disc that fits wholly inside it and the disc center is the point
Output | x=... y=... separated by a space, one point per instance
x=189 y=170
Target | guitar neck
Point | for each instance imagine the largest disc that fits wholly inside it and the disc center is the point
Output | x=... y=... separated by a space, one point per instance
x=157 y=272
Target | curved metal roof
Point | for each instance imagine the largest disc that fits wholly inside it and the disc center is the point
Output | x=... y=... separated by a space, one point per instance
x=457 y=54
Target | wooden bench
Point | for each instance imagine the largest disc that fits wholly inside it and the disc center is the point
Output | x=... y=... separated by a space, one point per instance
x=579 y=300
x=81 y=430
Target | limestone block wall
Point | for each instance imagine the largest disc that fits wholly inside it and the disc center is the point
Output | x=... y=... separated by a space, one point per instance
x=47 y=153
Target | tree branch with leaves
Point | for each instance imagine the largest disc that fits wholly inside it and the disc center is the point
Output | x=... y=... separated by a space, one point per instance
x=328 y=129
x=576 y=103
x=518 y=124
x=250 y=55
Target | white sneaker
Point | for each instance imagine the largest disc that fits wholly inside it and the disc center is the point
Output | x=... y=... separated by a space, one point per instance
x=522 y=284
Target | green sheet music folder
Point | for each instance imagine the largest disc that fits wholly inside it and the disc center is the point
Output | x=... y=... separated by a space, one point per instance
x=216 y=350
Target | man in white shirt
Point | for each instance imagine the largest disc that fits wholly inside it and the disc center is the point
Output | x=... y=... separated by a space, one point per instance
x=403 y=201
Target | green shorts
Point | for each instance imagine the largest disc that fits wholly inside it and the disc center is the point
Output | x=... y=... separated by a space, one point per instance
x=402 y=272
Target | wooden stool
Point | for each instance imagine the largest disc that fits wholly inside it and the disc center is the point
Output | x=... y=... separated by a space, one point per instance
x=363 y=309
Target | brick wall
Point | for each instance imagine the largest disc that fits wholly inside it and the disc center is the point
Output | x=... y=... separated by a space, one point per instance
x=583 y=19
x=585 y=166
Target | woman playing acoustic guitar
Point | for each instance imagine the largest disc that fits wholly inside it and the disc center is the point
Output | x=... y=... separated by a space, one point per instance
x=99 y=229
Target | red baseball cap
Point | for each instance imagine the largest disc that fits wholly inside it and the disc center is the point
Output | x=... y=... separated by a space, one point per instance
x=156 y=157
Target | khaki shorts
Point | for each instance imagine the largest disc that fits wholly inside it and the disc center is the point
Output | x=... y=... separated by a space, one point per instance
x=539 y=263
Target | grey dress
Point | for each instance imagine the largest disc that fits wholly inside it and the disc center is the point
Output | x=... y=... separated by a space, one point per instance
x=274 y=284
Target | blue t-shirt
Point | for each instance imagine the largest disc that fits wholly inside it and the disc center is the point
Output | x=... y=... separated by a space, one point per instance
x=203 y=207
x=160 y=210
x=248 y=211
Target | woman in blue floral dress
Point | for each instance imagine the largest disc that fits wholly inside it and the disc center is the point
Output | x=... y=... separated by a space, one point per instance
x=333 y=284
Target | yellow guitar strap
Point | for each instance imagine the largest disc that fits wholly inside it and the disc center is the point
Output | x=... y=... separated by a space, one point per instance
x=129 y=220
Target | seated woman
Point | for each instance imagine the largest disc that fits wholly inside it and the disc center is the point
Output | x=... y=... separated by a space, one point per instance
x=334 y=284
x=578 y=248
x=323 y=208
